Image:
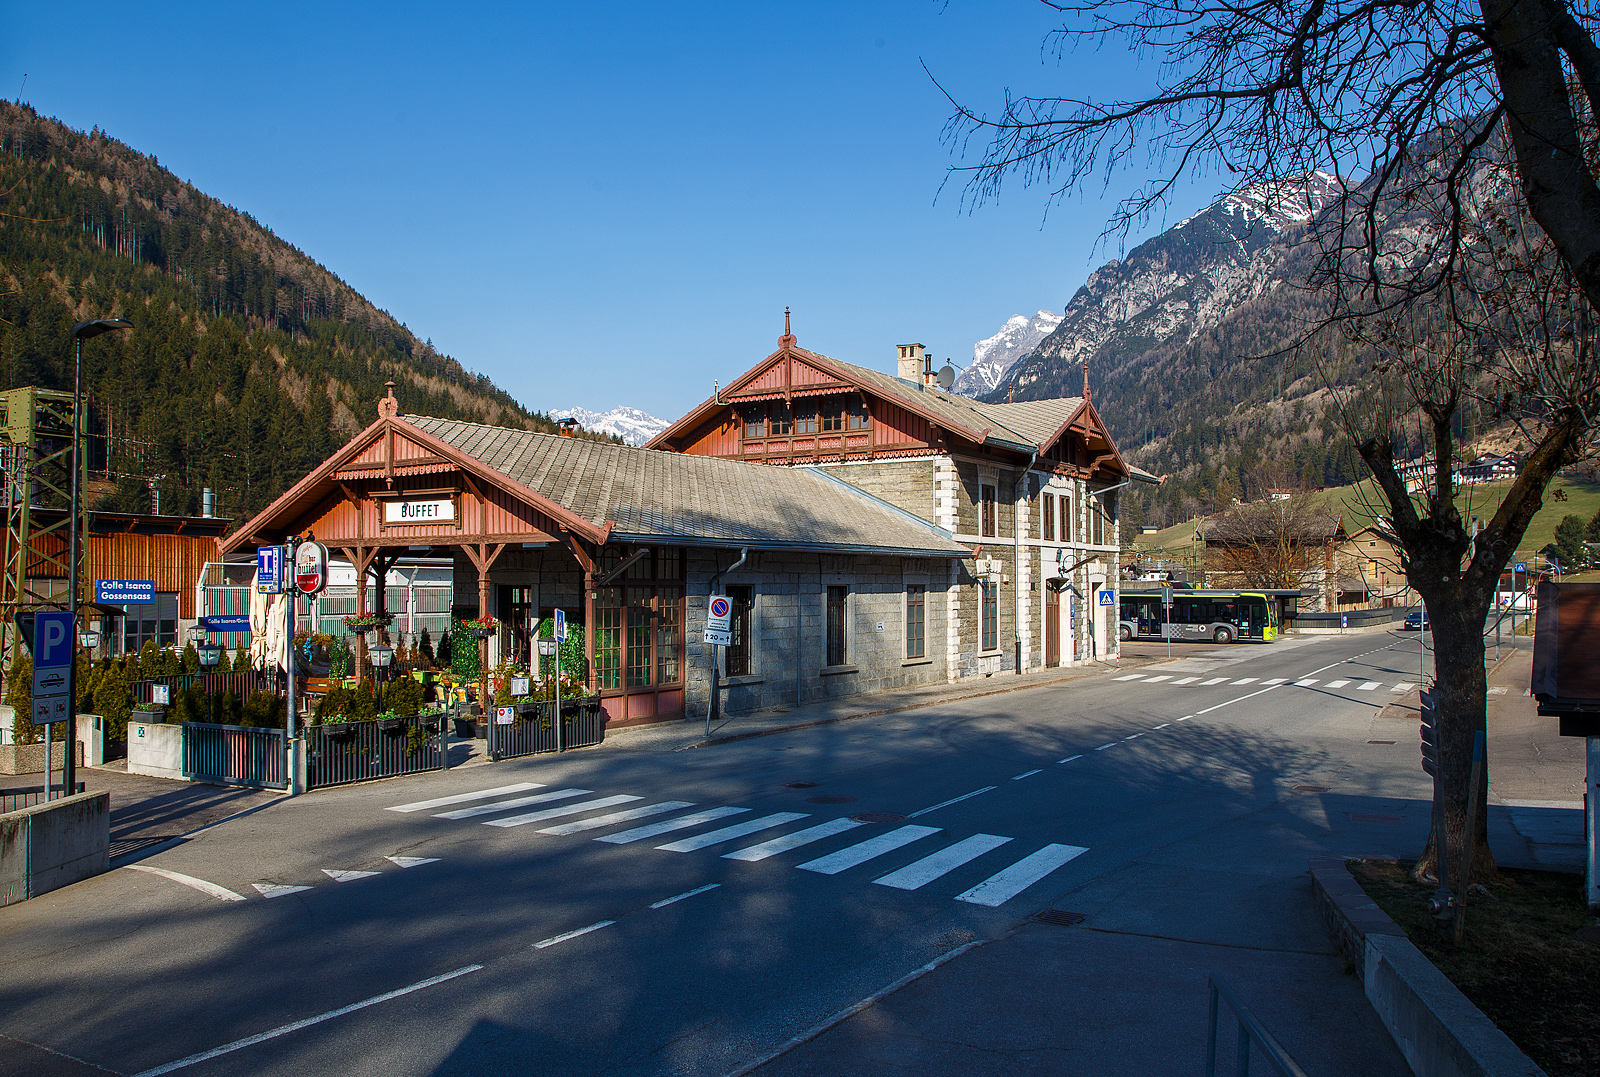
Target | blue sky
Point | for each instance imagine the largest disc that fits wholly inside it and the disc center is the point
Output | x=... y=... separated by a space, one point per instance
x=608 y=204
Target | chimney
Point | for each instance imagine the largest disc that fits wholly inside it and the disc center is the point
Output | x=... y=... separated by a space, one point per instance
x=568 y=425
x=208 y=502
x=913 y=364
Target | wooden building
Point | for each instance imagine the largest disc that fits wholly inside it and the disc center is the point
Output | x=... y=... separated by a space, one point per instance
x=1031 y=487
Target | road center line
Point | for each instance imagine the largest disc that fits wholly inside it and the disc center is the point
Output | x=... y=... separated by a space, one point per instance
x=1163 y=725
x=572 y=934
x=664 y=902
x=1069 y=759
x=952 y=800
x=1231 y=702
x=295 y=1026
x=1025 y=774
x=189 y=880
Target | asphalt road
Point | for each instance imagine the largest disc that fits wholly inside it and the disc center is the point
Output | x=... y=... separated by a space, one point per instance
x=337 y=934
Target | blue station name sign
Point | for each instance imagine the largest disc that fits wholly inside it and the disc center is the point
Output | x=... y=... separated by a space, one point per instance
x=124 y=592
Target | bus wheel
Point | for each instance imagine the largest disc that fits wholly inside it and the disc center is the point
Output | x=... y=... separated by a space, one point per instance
x=1123 y=633
x=1222 y=635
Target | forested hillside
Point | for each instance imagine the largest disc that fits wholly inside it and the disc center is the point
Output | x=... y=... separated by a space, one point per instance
x=249 y=362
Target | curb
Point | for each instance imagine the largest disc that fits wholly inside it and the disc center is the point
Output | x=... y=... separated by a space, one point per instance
x=896 y=708
x=1437 y=1028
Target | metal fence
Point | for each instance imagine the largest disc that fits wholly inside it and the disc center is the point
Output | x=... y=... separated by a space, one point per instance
x=236 y=755
x=243 y=684
x=342 y=752
x=1251 y=1031
x=534 y=729
x=27 y=797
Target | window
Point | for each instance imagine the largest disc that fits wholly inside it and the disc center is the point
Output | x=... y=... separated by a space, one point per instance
x=755 y=420
x=916 y=621
x=150 y=622
x=638 y=639
x=1047 y=516
x=858 y=416
x=1066 y=518
x=988 y=616
x=986 y=510
x=838 y=598
x=1097 y=520
x=778 y=419
x=831 y=409
x=738 y=653
x=805 y=418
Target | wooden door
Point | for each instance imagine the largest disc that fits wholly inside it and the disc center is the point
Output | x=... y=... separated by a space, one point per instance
x=1052 y=624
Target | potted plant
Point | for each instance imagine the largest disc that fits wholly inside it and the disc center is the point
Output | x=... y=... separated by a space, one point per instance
x=481 y=627
x=338 y=727
x=390 y=722
x=367 y=622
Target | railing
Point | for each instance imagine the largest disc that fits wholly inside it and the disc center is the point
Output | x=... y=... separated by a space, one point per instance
x=1250 y=1031
x=242 y=684
x=1350 y=618
x=236 y=755
x=338 y=753
x=17 y=799
x=534 y=728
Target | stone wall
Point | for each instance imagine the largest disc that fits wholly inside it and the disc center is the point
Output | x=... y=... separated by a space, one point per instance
x=906 y=484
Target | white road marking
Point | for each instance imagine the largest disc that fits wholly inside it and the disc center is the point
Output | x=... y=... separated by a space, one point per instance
x=565 y=809
x=572 y=934
x=861 y=852
x=295 y=1026
x=683 y=822
x=728 y=833
x=1213 y=680
x=1163 y=725
x=189 y=880
x=1498 y=690
x=1235 y=699
x=1130 y=677
x=341 y=876
x=1307 y=683
x=1243 y=680
x=1025 y=774
x=664 y=902
x=1163 y=677
x=1002 y=886
x=1276 y=680
x=1370 y=686
x=929 y=868
x=1337 y=684
x=507 y=805
x=792 y=841
x=617 y=817
x=1069 y=759
x=1103 y=747
x=1186 y=680
x=462 y=798
x=1404 y=686
x=412 y=861
x=277 y=890
x=1132 y=735
x=952 y=800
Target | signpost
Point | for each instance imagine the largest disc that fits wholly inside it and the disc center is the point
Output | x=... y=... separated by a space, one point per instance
x=53 y=650
x=269 y=570
x=719 y=622
x=311 y=568
x=124 y=592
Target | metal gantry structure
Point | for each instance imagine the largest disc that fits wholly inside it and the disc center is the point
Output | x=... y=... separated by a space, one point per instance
x=36 y=460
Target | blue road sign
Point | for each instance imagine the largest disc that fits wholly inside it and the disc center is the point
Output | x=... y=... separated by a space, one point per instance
x=124 y=592
x=1108 y=598
x=269 y=570
x=1522 y=566
x=561 y=625
x=52 y=640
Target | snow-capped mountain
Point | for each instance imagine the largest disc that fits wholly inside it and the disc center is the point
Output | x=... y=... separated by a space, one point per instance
x=1171 y=288
x=992 y=358
x=630 y=424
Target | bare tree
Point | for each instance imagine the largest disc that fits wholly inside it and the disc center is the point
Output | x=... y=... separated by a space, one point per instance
x=1463 y=240
x=1274 y=544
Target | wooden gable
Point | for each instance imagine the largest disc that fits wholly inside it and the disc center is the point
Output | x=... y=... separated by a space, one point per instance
x=1083 y=446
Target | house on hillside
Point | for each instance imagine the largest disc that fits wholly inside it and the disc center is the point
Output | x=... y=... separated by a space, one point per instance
x=1031 y=487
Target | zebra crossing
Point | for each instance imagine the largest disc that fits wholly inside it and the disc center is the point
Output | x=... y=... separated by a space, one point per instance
x=493 y=807
x=1269 y=682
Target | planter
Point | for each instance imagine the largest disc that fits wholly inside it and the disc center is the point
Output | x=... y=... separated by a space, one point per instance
x=154 y=715
x=393 y=726
x=465 y=728
x=479 y=633
x=340 y=730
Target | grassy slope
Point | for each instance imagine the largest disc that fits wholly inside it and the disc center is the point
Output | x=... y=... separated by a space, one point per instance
x=1356 y=503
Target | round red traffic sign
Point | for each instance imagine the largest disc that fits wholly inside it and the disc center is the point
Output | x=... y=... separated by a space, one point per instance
x=719 y=607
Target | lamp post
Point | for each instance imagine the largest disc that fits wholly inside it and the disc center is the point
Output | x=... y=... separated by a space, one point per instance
x=381 y=655
x=81 y=331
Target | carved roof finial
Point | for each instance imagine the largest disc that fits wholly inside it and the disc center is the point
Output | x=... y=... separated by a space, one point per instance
x=1086 y=377
x=788 y=338
x=388 y=406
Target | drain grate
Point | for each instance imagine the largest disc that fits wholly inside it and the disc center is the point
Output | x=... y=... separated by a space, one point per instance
x=800 y=785
x=879 y=817
x=830 y=799
x=1061 y=917
x=1380 y=742
x=1311 y=789
x=124 y=846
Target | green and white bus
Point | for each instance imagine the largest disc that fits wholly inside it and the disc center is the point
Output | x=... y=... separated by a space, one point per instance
x=1219 y=616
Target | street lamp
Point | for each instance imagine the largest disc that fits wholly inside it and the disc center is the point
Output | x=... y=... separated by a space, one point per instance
x=210 y=654
x=381 y=655
x=197 y=634
x=80 y=332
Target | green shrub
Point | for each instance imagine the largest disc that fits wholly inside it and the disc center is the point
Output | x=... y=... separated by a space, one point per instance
x=265 y=708
x=191 y=659
x=403 y=696
x=241 y=660
x=463 y=652
x=112 y=703
x=19 y=695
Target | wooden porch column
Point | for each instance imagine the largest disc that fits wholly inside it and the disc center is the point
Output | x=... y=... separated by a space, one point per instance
x=483 y=556
x=588 y=564
x=360 y=557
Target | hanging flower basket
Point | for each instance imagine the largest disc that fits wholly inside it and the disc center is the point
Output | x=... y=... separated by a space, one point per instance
x=482 y=627
x=366 y=622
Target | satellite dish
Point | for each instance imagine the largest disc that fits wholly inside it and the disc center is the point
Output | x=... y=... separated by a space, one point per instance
x=946 y=376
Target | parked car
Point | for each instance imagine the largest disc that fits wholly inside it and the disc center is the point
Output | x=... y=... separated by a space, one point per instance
x=1416 y=621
